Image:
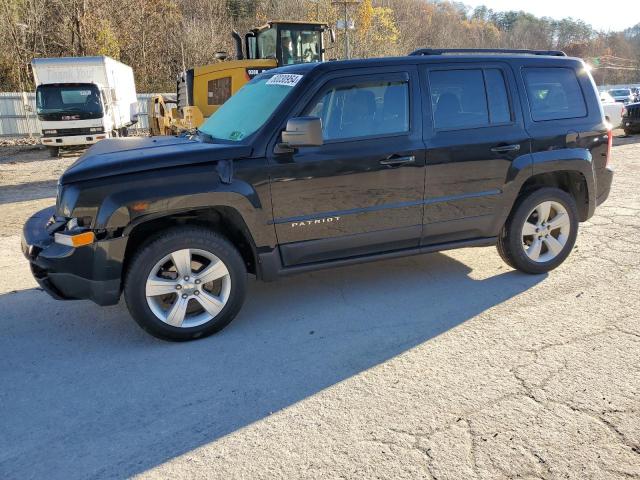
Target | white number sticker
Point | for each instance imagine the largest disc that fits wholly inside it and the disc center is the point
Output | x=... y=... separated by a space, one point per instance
x=286 y=79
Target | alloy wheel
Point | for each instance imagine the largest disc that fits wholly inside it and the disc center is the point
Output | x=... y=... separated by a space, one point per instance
x=188 y=288
x=546 y=231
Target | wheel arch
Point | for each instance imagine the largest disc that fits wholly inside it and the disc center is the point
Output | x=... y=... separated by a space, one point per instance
x=572 y=182
x=225 y=220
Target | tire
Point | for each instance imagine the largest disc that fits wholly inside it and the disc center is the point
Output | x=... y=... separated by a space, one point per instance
x=154 y=266
x=628 y=132
x=539 y=251
x=54 y=152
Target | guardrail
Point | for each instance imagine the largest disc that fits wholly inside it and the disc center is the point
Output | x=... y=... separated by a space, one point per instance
x=18 y=117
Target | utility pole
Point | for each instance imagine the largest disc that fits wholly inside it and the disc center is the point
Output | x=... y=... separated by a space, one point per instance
x=345 y=4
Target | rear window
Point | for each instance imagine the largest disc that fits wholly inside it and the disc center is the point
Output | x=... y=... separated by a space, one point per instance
x=621 y=93
x=554 y=94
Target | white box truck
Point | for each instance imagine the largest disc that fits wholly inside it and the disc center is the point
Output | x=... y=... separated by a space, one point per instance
x=81 y=100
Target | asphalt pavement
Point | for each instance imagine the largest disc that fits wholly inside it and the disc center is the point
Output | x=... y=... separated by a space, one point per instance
x=443 y=366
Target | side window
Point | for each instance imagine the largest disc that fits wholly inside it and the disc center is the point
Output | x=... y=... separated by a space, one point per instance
x=458 y=99
x=372 y=108
x=554 y=94
x=218 y=91
x=499 y=110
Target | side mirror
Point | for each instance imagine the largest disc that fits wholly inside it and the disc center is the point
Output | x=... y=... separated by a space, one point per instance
x=303 y=132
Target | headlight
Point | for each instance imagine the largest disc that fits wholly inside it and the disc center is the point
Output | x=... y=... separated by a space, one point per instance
x=72 y=224
x=50 y=132
x=79 y=222
x=625 y=112
x=96 y=129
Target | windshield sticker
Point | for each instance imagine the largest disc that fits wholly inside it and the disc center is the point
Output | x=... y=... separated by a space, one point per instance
x=286 y=79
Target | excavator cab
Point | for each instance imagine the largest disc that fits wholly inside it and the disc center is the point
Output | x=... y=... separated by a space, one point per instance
x=287 y=42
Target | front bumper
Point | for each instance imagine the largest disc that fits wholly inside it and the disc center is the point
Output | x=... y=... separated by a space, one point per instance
x=73 y=140
x=92 y=272
x=632 y=124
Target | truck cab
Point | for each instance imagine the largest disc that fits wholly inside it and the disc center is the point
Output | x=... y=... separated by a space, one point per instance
x=80 y=101
x=72 y=114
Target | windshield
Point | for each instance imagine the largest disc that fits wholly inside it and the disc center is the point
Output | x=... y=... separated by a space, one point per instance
x=297 y=45
x=620 y=93
x=300 y=46
x=250 y=108
x=80 y=100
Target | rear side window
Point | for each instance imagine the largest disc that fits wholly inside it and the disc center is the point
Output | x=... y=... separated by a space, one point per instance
x=469 y=98
x=458 y=99
x=554 y=94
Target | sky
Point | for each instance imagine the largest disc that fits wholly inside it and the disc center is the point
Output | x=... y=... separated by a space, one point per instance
x=607 y=16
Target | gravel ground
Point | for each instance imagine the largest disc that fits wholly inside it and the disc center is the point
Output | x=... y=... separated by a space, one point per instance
x=444 y=366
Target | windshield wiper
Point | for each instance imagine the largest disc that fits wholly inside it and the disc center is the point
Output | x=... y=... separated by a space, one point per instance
x=199 y=134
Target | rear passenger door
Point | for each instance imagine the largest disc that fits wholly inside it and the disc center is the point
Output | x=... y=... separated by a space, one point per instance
x=476 y=140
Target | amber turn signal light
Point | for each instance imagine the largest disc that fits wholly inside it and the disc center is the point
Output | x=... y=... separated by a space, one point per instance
x=77 y=240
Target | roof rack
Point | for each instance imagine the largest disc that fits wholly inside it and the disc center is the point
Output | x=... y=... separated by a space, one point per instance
x=444 y=51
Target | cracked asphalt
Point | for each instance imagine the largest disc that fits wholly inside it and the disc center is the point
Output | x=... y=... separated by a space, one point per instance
x=444 y=366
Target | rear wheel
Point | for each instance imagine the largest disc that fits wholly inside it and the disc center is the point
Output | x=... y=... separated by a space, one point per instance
x=540 y=232
x=187 y=283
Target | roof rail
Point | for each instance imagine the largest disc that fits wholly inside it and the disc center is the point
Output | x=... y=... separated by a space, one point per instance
x=443 y=51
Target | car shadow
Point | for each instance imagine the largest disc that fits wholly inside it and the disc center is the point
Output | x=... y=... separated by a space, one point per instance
x=15 y=155
x=620 y=138
x=23 y=192
x=85 y=393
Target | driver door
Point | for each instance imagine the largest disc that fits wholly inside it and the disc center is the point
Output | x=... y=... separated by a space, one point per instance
x=361 y=192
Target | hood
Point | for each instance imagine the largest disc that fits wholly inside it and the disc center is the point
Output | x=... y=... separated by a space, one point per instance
x=129 y=155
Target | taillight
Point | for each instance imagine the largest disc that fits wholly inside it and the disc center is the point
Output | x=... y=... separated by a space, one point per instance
x=609 y=145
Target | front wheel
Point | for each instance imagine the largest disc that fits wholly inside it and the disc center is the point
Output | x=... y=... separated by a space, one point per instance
x=540 y=232
x=187 y=283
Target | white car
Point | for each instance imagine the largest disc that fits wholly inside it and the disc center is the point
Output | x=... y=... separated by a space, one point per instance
x=612 y=109
x=622 y=95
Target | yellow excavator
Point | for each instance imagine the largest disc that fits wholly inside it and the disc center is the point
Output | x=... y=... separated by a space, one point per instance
x=201 y=90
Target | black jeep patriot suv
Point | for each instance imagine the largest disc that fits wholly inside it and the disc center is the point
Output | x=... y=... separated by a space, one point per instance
x=329 y=164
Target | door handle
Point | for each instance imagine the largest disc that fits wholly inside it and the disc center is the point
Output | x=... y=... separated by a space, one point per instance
x=506 y=148
x=394 y=160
